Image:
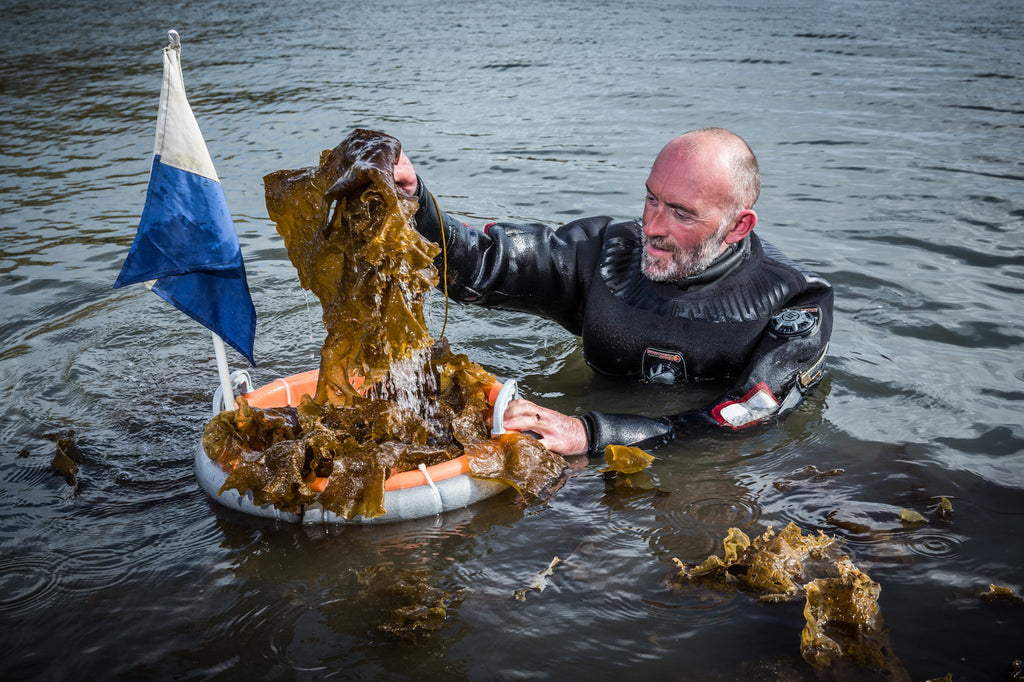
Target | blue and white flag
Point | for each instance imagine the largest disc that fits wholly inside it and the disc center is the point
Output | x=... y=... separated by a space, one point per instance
x=186 y=239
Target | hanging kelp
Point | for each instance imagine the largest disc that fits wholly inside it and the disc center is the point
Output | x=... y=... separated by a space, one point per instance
x=358 y=253
x=418 y=403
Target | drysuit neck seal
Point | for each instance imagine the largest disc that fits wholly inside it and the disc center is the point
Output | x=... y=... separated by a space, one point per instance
x=721 y=266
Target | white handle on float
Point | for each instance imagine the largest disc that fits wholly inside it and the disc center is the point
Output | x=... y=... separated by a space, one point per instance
x=241 y=382
x=509 y=391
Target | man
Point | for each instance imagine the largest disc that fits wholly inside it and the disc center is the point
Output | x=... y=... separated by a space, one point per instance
x=689 y=294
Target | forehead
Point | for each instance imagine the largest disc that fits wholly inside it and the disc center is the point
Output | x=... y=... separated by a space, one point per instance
x=689 y=174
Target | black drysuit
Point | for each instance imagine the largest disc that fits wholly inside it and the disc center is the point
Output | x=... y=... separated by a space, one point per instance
x=754 y=318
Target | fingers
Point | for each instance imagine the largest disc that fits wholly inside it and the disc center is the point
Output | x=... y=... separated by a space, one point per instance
x=523 y=415
x=405 y=175
x=558 y=432
x=359 y=175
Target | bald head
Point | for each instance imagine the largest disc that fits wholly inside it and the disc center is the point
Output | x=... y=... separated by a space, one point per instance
x=700 y=194
x=731 y=167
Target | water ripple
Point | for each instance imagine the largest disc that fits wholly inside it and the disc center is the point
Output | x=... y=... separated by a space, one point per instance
x=718 y=515
x=933 y=544
x=28 y=583
x=294 y=635
x=97 y=568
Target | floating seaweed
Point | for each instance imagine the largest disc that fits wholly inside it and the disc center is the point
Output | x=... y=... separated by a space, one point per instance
x=809 y=474
x=773 y=566
x=844 y=635
x=945 y=509
x=539 y=581
x=349 y=235
x=623 y=459
x=911 y=517
x=67 y=459
x=625 y=475
x=844 y=629
x=1002 y=593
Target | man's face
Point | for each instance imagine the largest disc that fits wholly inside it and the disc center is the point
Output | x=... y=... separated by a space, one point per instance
x=687 y=214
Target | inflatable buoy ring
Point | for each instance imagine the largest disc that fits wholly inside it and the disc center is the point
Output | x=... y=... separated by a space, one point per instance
x=408 y=495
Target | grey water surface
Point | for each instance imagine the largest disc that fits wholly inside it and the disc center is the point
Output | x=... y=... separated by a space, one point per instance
x=891 y=139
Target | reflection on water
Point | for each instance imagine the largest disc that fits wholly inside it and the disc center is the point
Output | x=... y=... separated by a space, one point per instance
x=889 y=137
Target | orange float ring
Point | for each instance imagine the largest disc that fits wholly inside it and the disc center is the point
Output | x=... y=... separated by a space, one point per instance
x=288 y=391
x=407 y=495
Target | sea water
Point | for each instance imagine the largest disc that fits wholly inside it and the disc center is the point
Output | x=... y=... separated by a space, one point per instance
x=890 y=140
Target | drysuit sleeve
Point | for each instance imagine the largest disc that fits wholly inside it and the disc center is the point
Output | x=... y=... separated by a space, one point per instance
x=786 y=364
x=525 y=267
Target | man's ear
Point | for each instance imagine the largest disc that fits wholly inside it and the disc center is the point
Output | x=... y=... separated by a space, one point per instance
x=742 y=226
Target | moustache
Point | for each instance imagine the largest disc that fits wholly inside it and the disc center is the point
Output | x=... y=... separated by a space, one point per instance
x=662 y=243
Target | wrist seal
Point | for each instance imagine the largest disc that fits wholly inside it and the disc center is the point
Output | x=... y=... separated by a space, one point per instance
x=604 y=429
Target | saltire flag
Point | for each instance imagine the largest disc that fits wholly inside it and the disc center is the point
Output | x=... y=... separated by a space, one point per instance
x=186 y=246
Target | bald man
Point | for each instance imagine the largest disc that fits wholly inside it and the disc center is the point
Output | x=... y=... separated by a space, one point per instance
x=687 y=294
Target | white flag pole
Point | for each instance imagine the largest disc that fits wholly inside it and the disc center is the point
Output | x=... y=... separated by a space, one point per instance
x=227 y=392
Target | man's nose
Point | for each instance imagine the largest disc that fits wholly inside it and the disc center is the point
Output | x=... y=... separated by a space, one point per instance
x=654 y=221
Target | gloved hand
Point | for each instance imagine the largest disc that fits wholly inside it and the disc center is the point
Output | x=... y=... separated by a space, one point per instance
x=369 y=158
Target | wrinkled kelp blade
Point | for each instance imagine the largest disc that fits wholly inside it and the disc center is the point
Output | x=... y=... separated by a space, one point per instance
x=370 y=269
x=359 y=254
x=516 y=459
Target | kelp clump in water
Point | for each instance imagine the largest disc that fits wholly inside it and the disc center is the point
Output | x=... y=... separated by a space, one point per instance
x=414 y=605
x=844 y=636
x=772 y=566
x=421 y=404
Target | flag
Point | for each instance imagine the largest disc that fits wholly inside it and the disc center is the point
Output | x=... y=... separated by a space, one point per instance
x=186 y=244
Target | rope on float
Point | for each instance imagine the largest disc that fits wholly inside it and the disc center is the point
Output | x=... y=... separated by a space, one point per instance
x=430 y=482
x=444 y=260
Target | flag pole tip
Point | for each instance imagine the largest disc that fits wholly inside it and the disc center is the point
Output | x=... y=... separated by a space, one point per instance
x=173 y=39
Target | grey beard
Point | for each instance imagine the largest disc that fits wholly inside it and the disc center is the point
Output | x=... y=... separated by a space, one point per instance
x=680 y=266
